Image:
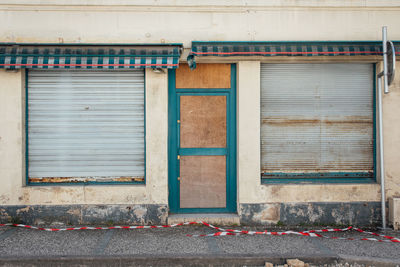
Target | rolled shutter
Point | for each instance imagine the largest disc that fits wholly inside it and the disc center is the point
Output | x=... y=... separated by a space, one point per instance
x=316 y=118
x=85 y=123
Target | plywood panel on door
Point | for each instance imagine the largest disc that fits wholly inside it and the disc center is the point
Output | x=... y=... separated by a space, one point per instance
x=203 y=121
x=203 y=182
x=204 y=76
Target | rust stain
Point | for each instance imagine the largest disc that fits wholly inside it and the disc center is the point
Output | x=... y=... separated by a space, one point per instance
x=289 y=121
x=85 y=179
x=275 y=190
x=267 y=173
x=283 y=122
x=348 y=121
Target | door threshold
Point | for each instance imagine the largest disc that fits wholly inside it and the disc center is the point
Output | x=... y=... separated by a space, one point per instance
x=211 y=218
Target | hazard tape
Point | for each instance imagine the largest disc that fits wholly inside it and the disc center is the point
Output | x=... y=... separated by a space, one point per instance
x=310 y=233
x=228 y=232
x=98 y=228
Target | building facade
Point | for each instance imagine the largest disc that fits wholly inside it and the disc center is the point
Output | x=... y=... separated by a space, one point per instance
x=135 y=111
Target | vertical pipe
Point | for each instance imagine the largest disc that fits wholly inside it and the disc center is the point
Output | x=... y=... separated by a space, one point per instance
x=385 y=67
x=382 y=167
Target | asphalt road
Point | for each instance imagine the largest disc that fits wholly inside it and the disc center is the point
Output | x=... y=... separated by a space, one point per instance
x=171 y=246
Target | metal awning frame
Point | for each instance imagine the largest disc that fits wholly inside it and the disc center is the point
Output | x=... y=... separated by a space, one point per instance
x=89 y=56
x=284 y=49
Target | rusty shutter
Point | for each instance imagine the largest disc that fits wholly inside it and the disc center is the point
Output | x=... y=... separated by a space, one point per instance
x=86 y=123
x=316 y=119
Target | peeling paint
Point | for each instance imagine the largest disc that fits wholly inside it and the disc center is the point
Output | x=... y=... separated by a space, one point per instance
x=140 y=214
x=163 y=214
x=98 y=179
x=26 y=209
x=259 y=213
x=4 y=198
x=74 y=211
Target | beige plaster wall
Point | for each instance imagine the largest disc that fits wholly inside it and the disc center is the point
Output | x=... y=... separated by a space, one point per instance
x=250 y=189
x=12 y=176
x=11 y=134
x=141 y=21
x=248 y=132
x=182 y=21
x=391 y=127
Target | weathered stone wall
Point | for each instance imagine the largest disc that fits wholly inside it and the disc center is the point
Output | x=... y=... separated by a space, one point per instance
x=85 y=214
x=312 y=213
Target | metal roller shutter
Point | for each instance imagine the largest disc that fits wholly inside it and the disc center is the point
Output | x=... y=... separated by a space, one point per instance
x=85 y=123
x=316 y=118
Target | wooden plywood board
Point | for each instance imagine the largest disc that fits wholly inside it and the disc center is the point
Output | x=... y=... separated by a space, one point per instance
x=203 y=121
x=203 y=182
x=204 y=76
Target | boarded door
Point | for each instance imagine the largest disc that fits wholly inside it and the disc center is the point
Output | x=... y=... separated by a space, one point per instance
x=202 y=177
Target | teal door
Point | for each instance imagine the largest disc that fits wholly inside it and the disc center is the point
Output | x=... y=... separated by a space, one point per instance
x=202 y=139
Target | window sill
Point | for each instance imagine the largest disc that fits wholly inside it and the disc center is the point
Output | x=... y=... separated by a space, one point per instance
x=343 y=180
x=85 y=183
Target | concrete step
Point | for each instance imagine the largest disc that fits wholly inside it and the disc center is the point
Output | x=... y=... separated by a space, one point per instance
x=212 y=218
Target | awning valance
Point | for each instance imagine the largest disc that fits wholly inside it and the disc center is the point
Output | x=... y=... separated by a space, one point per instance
x=290 y=48
x=89 y=56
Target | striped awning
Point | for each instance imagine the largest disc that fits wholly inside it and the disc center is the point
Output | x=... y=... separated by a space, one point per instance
x=89 y=56
x=269 y=49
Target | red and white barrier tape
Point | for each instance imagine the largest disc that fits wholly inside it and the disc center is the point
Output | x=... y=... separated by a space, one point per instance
x=310 y=233
x=98 y=228
x=226 y=232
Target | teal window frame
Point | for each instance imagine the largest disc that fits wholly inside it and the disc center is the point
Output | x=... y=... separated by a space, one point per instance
x=28 y=183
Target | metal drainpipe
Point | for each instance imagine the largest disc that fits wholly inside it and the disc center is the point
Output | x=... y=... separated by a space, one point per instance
x=381 y=155
x=381 y=162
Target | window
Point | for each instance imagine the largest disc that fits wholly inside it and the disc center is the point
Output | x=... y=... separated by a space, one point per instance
x=317 y=122
x=85 y=126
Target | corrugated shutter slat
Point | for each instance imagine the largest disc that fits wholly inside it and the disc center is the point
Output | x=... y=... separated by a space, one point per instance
x=316 y=118
x=86 y=123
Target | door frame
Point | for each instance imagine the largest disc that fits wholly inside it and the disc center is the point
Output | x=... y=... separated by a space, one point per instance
x=173 y=131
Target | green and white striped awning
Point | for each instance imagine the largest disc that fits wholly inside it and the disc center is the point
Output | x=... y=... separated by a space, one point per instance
x=270 y=49
x=92 y=56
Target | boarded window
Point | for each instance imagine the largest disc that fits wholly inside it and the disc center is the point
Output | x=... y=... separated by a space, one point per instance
x=85 y=125
x=317 y=120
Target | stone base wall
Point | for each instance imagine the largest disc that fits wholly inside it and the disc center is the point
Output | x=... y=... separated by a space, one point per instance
x=315 y=213
x=143 y=214
x=284 y=214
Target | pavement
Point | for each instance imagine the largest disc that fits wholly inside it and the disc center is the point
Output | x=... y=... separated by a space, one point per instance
x=172 y=247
